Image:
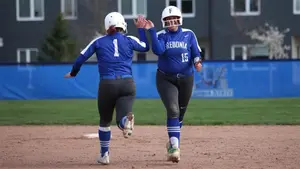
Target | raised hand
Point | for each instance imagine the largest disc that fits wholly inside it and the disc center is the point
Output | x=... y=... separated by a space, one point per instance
x=140 y=22
x=149 y=24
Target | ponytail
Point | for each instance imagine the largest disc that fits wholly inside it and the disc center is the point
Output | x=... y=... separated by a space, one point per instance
x=111 y=30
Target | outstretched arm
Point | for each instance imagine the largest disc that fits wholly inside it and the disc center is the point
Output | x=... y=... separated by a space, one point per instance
x=85 y=54
x=158 y=44
x=142 y=44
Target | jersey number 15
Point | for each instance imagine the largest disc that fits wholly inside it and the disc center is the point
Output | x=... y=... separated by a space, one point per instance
x=184 y=57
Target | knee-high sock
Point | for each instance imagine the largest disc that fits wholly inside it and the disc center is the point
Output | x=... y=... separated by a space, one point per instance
x=104 y=138
x=173 y=127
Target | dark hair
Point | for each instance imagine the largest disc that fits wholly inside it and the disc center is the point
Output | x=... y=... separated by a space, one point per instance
x=112 y=30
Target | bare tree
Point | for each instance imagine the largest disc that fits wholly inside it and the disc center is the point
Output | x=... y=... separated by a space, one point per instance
x=93 y=25
x=97 y=11
x=273 y=38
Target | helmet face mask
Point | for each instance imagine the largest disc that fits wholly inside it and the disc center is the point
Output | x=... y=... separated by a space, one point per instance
x=116 y=20
x=171 y=16
x=171 y=21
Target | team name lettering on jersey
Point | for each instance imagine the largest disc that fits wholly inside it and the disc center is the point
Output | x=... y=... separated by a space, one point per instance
x=176 y=44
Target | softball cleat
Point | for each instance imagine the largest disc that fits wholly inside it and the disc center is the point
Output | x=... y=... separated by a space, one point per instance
x=173 y=154
x=103 y=159
x=129 y=125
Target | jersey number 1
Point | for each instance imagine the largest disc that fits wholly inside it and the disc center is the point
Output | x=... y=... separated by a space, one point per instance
x=184 y=57
x=116 y=54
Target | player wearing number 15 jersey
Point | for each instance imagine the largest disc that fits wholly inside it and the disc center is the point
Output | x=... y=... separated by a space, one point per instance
x=178 y=53
x=114 y=52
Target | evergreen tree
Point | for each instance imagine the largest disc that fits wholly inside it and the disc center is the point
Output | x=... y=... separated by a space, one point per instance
x=58 y=45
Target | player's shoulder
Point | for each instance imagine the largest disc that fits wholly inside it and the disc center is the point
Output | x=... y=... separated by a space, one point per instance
x=131 y=37
x=187 y=31
x=99 y=38
x=96 y=41
x=161 y=33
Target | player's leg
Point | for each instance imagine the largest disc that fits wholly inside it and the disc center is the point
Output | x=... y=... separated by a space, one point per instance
x=168 y=92
x=106 y=104
x=124 y=114
x=185 y=93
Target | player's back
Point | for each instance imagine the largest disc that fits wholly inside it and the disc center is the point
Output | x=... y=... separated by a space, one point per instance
x=114 y=54
x=114 y=51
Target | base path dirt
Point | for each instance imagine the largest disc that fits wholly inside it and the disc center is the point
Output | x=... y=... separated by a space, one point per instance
x=207 y=147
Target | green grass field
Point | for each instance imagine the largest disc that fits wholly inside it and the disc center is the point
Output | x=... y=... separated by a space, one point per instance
x=151 y=112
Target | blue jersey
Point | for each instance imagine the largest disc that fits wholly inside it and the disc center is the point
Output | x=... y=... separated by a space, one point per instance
x=114 y=53
x=177 y=51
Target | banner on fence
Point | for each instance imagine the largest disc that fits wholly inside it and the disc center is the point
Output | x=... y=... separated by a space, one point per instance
x=216 y=80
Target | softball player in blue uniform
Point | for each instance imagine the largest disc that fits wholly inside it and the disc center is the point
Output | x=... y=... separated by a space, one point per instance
x=178 y=53
x=116 y=88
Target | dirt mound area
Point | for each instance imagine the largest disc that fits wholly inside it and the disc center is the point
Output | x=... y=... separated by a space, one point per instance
x=209 y=147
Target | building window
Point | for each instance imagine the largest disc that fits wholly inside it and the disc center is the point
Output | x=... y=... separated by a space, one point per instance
x=298 y=52
x=296 y=6
x=172 y=3
x=245 y=7
x=69 y=9
x=258 y=52
x=30 y=10
x=132 y=8
x=188 y=7
x=27 y=55
x=238 y=52
x=250 y=52
x=1 y=42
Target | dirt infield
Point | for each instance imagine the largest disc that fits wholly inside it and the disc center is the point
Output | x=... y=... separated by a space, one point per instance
x=209 y=147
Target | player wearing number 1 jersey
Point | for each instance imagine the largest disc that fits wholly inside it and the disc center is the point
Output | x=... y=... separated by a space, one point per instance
x=178 y=53
x=114 y=52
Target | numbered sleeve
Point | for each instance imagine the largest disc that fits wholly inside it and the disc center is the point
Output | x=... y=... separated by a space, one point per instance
x=195 y=48
x=85 y=54
x=158 y=44
x=141 y=44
